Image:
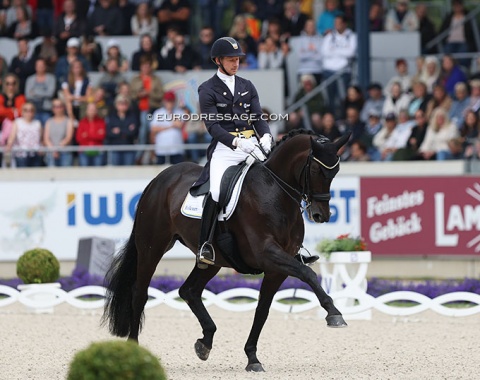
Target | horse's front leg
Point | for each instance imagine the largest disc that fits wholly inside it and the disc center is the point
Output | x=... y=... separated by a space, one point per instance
x=270 y=285
x=276 y=259
x=191 y=292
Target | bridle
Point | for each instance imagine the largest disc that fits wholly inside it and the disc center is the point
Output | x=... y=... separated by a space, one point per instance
x=306 y=196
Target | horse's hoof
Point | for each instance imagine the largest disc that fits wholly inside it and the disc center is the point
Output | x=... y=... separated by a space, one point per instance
x=201 y=350
x=336 y=321
x=255 y=367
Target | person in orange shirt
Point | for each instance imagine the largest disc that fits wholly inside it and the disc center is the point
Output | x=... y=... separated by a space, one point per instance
x=147 y=90
x=91 y=132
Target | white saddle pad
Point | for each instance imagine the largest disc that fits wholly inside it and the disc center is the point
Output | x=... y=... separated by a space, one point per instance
x=192 y=207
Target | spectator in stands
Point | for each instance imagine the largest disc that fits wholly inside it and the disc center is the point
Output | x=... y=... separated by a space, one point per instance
x=121 y=129
x=373 y=125
x=97 y=98
x=450 y=74
x=253 y=24
x=338 y=49
x=212 y=13
x=352 y=123
x=476 y=70
x=73 y=54
x=374 y=101
x=292 y=20
x=315 y=106
x=125 y=90
x=459 y=105
x=24 y=26
x=146 y=49
x=440 y=132
x=68 y=25
x=430 y=72
x=76 y=89
x=271 y=55
x=439 y=99
x=174 y=13
x=40 y=90
x=143 y=21
x=329 y=127
x=269 y=10
x=44 y=15
x=239 y=31
x=26 y=134
x=91 y=50
x=11 y=13
x=419 y=65
x=358 y=152
x=114 y=52
x=420 y=98
x=110 y=80
x=207 y=37
x=416 y=138
x=401 y=77
x=326 y=20
x=127 y=10
x=58 y=133
x=182 y=57
x=147 y=90
x=47 y=50
x=426 y=28
x=105 y=20
x=91 y=132
x=166 y=132
x=23 y=64
x=469 y=129
x=399 y=137
x=460 y=38
x=381 y=137
x=167 y=44
x=375 y=17
x=248 y=61
x=310 y=51
x=400 y=18
x=474 y=103
x=354 y=98
x=395 y=101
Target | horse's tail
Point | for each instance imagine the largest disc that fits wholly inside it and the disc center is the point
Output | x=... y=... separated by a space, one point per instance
x=120 y=279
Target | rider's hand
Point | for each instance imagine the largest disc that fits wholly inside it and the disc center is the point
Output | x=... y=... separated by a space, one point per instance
x=266 y=142
x=246 y=145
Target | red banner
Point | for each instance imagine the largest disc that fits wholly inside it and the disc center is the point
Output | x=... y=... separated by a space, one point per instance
x=421 y=216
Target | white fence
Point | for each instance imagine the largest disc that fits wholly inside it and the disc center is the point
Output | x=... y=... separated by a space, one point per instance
x=44 y=299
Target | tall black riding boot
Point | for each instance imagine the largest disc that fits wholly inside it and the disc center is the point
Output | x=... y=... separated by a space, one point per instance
x=206 y=253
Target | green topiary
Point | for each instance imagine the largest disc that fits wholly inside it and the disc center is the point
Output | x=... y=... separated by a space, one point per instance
x=115 y=360
x=38 y=266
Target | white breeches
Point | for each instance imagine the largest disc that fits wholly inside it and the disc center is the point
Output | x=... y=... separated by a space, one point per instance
x=222 y=158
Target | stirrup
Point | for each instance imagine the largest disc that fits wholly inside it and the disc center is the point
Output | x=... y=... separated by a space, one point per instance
x=307 y=260
x=205 y=259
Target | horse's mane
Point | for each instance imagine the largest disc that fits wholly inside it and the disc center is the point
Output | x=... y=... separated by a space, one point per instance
x=293 y=133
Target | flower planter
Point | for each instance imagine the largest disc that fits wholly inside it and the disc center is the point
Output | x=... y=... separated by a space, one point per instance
x=39 y=298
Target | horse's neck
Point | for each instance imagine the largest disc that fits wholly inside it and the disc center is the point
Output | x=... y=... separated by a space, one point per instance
x=287 y=160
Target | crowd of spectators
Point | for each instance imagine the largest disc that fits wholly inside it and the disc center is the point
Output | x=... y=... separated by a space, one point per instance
x=47 y=97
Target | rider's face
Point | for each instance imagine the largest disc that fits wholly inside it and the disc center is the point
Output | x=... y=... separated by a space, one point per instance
x=230 y=64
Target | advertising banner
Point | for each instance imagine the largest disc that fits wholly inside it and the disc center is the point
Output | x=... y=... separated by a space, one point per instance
x=421 y=216
x=56 y=214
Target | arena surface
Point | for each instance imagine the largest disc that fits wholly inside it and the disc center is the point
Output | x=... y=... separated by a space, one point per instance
x=300 y=346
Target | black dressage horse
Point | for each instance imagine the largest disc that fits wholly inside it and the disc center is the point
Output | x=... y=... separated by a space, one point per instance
x=268 y=228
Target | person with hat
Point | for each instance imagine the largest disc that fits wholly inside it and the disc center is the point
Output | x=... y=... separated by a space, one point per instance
x=224 y=99
x=73 y=54
x=374 y=101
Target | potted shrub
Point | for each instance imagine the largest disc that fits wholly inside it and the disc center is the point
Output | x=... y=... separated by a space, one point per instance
x=344 y=249
x=39 y=269
x=115 y=360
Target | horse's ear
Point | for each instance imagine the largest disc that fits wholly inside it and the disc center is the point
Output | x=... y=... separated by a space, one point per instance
x=342 y=140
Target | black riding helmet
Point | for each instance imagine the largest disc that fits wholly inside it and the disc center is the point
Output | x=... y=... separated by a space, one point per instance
x=225 y=47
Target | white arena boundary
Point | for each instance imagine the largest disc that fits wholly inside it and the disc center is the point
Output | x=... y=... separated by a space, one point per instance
x=40 y=298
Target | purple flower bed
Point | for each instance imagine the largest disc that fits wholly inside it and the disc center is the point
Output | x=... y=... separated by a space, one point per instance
x=376 y=286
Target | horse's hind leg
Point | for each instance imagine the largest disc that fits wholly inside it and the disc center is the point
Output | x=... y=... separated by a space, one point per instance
x=191 y=292
x=279 y=261
x=270 y=285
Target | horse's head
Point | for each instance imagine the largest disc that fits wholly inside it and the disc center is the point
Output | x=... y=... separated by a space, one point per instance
x=323 y=163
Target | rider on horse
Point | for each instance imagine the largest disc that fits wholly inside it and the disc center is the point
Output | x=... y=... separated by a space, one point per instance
x=232 y=114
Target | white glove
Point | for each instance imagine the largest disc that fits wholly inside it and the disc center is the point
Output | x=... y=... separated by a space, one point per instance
x=266 y=142
x=246 y=145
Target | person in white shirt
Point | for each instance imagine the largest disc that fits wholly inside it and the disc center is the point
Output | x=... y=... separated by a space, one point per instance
x=338 y=49
x=440 y=132
x=399 y=137
x=309 y=45
x=401 y=19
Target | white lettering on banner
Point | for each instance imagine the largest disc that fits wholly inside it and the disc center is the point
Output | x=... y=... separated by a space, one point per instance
x=395 y=228
x=387 y=204
x=441 y=238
